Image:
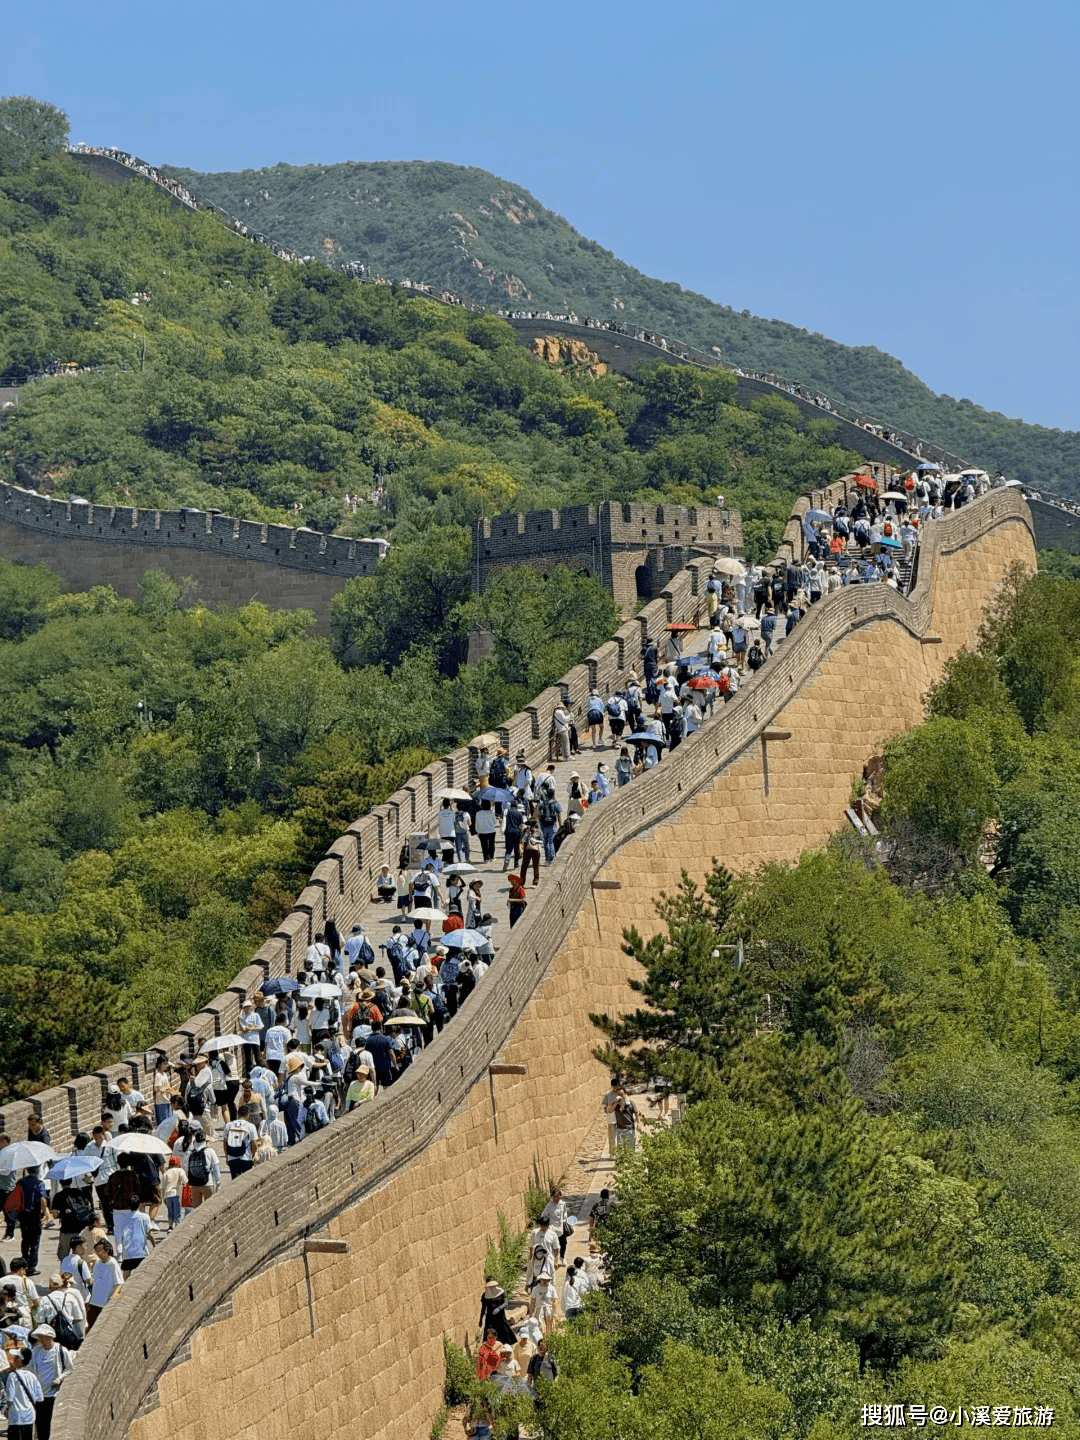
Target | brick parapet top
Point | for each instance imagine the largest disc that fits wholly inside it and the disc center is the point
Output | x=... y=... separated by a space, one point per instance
x=221 y=535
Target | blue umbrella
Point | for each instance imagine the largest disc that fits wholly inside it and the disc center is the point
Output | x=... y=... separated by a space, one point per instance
x=72 y=1166
x=646 y=739
x=280 y=986
x=497 y=793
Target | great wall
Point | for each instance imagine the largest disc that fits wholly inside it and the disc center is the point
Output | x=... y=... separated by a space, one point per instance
x=231 y=561
x=235 y=1330
x=767 y=779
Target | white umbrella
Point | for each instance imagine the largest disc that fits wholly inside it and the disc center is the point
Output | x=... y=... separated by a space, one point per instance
x=472 y=939
x=26 y=1155
x=1013 y=484
x=220 y=1042
x=320 y=992
x=463 y=868
x=452 y=795
x=488 y=738
x=728 y=565
x=140 y=1144
x=894 y=495
x=405 y=1020
x=427 y=912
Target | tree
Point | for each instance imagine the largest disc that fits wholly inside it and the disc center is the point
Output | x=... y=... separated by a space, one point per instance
x=29 y=130
x=541 y=626
x=699 y=1007
x=941 y=777
x=27 y=593
x=411 y=597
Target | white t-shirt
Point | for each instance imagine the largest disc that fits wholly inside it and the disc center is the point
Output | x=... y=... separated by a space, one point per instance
x=130 y=1230
x=107 y=1279
x=277 y=1037
x=80 y=1272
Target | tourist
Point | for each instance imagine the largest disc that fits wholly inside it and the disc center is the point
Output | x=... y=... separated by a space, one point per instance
x=493 y=1313
x=22 y=1394
x=516 y=901
x=52 y=1363
x=108 y=1278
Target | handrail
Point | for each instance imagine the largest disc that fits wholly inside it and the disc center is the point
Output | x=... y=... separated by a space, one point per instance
x=266 y=1213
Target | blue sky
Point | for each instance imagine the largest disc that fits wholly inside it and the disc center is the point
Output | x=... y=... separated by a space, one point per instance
x=904 y=176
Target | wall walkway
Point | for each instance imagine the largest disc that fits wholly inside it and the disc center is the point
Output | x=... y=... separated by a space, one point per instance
x=229 y=1345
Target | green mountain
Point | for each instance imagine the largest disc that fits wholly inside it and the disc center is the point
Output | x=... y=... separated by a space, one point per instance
x=215 y=374
x=496 y=244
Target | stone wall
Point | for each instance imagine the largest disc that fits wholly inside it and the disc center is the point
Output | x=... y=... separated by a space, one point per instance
x=230 y=561
x=221 y=1315
x=1055 y=527
x=612 y=541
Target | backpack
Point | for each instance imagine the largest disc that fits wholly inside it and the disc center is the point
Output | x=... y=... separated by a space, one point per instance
x=497 y=773
x=549 y=811
x=195 y=1099
x=676 y=726
x=67 y=1337
x=13 y=1202
x=198 y=1167
x=614 y=709
x=652 y=691
x=235 y=1152
x=723 y=682
x=595 y=715
x=366 y=955
x=312 y=1123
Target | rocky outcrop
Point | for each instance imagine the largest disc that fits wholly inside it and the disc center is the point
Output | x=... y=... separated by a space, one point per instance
x=564 y=350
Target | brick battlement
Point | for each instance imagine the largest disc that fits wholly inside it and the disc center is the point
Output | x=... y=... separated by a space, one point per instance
x=633 y=548
x=221 y=535
x=230 y=560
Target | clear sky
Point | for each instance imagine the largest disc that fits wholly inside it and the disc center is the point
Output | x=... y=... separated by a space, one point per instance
x=903 y=176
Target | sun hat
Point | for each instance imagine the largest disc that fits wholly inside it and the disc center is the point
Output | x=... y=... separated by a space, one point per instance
x=43 y=1330
x=294 y=1063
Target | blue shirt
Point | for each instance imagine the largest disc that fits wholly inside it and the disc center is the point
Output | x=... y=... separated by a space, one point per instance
x=23 y=1390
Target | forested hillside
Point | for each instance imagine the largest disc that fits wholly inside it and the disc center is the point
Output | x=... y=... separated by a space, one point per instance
x=869 y=1214
x=497 y=245
x=229 y=378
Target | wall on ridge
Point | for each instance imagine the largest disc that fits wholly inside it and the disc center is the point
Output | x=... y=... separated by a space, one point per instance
x=231 y=561
x=417 y=1221
x=627 y=355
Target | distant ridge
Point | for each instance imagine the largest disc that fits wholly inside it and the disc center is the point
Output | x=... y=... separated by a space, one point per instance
x=496 y=244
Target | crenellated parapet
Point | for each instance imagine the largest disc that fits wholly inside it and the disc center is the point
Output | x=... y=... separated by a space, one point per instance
x=230 y=560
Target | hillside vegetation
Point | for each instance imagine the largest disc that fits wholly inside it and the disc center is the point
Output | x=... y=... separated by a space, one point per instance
x=230 y=378
x=871 y=1201
x=497 y=245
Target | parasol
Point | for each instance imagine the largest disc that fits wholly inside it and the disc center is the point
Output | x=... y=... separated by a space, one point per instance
x=404 y=1020
x=681 y=625
x=703 y=682
x=452 y=794
x=866 y=481
x=72 y=1166
x=136 y=1143
x=25 y=1155
x=320 y=992
x=221 y=1042
x=728 y=565
x=427 y=912
x=465 y=939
